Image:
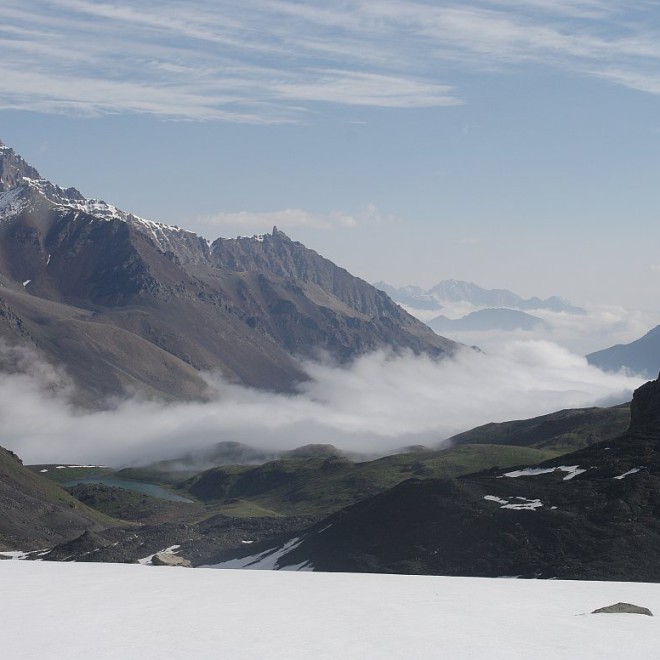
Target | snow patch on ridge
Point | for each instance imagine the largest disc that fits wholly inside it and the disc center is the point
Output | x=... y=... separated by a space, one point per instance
x=22 y=555
x=572 y=470
x=523 y=503
x=625 y=474
x=267 y=560
x=71 y=199
x=11 y=202
x=172 y=550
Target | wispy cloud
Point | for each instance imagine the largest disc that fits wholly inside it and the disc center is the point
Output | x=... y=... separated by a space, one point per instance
x=257 y=222
x=265 y=61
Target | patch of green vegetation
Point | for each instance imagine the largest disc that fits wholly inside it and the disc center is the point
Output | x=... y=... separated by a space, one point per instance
x=243 y=509
x=129 y=505
x=322 y=485
x=61 y=473
x=24 y=481
x=562 y=432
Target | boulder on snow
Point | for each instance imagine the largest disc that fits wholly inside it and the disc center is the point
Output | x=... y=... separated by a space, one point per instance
x=627 y=608
x=169 y=559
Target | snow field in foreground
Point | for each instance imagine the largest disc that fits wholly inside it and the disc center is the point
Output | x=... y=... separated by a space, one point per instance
x=102 y=611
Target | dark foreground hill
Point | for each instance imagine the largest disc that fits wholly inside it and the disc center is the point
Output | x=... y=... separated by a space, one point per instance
x=592 y=514
x=36 y=513
x=562 y=431
x=126 y=304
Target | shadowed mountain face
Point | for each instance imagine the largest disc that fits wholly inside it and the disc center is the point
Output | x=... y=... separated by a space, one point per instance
x=641 y=356
x=561 y=431
x=488 y=319
x=592 y=514
x=36 y=513
x=126 y=304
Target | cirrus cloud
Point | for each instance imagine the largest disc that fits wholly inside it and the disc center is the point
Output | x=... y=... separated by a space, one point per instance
x=269 y=61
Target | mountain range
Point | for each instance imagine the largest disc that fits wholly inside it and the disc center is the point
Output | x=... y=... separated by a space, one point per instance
x=448 y=292
x=126 y=304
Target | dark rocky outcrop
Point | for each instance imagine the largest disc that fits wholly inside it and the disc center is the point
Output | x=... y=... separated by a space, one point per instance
x=36 y=513
x=645 y=406
x=623 y=608
x=170 y=559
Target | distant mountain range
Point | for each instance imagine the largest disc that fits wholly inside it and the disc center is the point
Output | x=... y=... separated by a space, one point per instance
x=641 y=356
x=487 y=319
x=456 y=291
x=126 y=304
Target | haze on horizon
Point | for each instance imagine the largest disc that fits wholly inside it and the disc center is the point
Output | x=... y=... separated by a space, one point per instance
x=513 y=144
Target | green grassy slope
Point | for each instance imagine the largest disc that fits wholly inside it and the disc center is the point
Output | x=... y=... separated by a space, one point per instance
x=562 y=431
x=320 y=485
x=35 y=512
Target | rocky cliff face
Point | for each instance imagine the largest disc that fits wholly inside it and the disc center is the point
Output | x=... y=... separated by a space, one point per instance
x=13 y=169
x=645 y=406
x=128 y=304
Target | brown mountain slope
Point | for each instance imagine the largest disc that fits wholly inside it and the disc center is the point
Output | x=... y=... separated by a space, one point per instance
x=36 y=513
x=129 y=304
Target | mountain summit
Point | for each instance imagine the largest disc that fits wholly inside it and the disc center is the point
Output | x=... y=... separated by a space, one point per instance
x=127 y=304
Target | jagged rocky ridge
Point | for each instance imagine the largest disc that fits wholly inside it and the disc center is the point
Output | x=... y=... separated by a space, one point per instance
x=592 y=514
x=126 y=304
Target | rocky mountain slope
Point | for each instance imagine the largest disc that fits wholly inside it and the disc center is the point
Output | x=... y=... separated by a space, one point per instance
x=592 y=514
x=36 y=513
x=641 y=356
x=126 y=304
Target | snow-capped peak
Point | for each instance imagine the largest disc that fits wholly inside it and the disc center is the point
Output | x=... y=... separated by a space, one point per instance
x=11 y=202
x=18 y=179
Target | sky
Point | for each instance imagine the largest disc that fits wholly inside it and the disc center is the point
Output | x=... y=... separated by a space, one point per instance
x=513 y=143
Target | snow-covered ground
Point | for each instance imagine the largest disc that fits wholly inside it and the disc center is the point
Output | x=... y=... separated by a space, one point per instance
x=111 y=611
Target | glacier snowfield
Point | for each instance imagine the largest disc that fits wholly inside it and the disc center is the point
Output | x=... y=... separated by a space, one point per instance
x=119 y=611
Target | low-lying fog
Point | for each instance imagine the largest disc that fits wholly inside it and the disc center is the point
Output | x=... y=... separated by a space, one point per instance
x=601 y=326
x=378 y=403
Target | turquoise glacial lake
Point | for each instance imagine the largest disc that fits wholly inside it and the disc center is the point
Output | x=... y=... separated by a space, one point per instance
x=137 y=486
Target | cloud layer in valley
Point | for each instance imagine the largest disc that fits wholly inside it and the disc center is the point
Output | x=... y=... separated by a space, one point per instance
x=378 y=403
x=601 y=326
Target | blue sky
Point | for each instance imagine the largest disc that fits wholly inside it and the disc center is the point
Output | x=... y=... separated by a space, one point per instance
x=515 y=143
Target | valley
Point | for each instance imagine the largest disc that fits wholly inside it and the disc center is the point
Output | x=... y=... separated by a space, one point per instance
x=106 y=317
